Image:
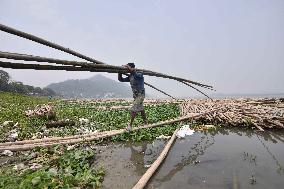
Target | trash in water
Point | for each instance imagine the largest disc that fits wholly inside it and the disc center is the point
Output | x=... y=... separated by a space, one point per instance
x=205 y=127
x=7 y=153
x=184 y=131
x=147 y=166
x=163 y=137
x=84 y=121
x=7 y=123
x=19 y=167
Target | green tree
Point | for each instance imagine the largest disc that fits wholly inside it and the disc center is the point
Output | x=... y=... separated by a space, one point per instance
x=18 y=87
x=4 y=80
x=48 y=92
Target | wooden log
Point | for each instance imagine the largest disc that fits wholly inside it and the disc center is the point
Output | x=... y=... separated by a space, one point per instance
x=150 y=172
x=257 y=126
x=59 y=123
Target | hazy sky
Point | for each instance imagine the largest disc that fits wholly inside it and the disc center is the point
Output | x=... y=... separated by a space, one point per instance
x=235 y=45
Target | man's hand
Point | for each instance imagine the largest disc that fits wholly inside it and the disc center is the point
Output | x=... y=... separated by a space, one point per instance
x=129 y=68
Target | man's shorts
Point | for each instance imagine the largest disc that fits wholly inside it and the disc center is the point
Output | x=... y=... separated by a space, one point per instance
x=138 y=101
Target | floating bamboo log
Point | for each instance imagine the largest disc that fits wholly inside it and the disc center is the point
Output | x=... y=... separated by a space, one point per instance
x=150 y=172
x=46 y=142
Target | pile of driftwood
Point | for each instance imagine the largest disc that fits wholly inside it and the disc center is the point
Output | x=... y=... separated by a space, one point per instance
x=259 y=113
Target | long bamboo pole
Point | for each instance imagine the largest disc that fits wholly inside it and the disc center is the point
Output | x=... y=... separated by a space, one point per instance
x=197 y=90
x=59 y=47
x=150 y=172
x=67 y=50
x=72 y=68
x=25 y=57
x=45 y=42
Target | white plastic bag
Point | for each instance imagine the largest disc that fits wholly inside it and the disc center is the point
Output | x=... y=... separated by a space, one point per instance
x=184 y=131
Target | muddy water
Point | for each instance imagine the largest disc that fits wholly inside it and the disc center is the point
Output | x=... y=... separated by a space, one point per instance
x=226 y=158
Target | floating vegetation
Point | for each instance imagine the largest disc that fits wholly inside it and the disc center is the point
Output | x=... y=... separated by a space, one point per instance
x=56 y=167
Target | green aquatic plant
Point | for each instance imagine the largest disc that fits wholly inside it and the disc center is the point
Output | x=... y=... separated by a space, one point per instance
x=59 y=168
x=13 y=107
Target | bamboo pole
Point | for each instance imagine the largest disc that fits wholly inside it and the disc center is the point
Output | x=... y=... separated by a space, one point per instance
x=26 y=57
x=150 y=172
x=45 y=142
x=73 y=68
x=197 y=90
x=67 y=50
x=46 y=43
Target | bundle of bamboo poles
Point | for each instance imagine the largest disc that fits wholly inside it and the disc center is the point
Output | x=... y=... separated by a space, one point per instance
x=259 y=113
x=94 y=66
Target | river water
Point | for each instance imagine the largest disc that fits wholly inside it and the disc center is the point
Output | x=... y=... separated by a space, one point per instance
x=224 y=158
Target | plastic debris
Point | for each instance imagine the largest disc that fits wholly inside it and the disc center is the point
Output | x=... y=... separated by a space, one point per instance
x=147 y=166
x=205 y=127
x=7 y=153
x=13 y=135
x=84 y=121
x=35 y=166
x=163 y=137
x=19 y=167
x=184 y=131
x=71 y=147
x=7 y=123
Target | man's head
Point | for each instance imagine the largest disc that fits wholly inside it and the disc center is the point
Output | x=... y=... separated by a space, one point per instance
x=132 y=65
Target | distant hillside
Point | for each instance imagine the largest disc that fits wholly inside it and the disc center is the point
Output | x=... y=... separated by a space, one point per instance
x=94 y=87
x=7 y=85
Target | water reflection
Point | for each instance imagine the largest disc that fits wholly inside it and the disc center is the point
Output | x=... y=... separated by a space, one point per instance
x=195 y=152
x=223 y=162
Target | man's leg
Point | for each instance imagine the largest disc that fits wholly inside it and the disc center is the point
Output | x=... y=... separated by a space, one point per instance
x=143 y=115
x=133 y=115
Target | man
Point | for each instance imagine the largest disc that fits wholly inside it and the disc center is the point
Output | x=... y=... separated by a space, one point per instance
x=136 y=80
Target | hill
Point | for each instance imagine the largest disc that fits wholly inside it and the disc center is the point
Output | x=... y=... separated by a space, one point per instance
x=97 y=86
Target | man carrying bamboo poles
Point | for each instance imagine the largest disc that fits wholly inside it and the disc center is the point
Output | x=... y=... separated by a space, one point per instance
x=136 y=80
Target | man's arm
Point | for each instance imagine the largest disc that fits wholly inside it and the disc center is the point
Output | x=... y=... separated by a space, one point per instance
x=121 y=79
x=135 y=74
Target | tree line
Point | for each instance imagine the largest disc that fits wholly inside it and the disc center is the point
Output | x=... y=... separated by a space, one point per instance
x=7 y=85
